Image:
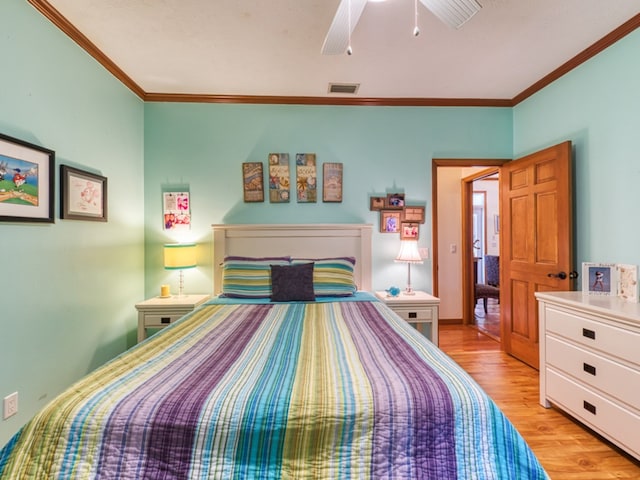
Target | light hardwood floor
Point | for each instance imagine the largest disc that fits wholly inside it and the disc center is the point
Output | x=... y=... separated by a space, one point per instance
x=566 y=449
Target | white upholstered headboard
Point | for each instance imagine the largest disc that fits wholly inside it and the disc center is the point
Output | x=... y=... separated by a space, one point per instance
x=302 y=241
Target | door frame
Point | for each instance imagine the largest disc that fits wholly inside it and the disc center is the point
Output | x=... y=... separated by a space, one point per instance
x=466 y=270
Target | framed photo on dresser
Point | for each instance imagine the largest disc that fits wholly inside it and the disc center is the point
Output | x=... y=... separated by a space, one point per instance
x=599 y=279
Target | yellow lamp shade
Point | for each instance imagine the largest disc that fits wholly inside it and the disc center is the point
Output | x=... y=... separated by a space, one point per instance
x=179 y=256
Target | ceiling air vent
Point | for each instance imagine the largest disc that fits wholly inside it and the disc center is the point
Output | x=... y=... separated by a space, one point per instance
x=350 y=88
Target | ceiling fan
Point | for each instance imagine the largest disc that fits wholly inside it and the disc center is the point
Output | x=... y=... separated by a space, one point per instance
x=452 y=12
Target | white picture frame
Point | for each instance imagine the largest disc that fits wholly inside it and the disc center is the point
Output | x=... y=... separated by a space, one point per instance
x=627 y=282
x=599 y=279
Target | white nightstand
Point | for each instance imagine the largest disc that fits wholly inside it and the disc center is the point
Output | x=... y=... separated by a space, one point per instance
x=420 y=310
x=159 y=312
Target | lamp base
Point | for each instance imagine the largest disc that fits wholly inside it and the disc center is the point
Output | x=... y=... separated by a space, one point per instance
x=181 y=285
x=409 y=290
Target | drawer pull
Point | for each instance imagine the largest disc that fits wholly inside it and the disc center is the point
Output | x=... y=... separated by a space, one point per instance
x=165 y=320
x=589 y=369
x=588 y=333
x=589 y=407
x=413 y=315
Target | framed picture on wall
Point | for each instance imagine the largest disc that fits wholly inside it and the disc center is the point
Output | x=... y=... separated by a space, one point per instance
x=253 y=182
x=395 y=200
x=377 y=203
x=26 y=181
x=83 y=195
x=409 y=231
x=279 y=178
x=306 y=178
x=413 y=214
x=390 y=221
x=332 y=182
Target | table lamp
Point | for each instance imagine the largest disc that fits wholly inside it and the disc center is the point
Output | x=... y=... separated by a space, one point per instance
x=180 y=256
x=409 y=254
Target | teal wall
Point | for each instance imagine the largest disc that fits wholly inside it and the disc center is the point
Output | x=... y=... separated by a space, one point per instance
x=383 y=149
x=597 y=107
x=68 y=288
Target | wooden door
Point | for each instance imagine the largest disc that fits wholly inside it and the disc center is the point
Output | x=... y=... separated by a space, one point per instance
x=535 y=242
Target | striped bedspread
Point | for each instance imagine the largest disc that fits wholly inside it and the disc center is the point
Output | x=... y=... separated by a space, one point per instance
x=333 y=390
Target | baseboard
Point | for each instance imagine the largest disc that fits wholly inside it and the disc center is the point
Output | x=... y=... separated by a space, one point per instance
x=450 y=321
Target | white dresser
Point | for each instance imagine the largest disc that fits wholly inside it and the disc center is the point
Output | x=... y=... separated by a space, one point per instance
x=590 y=362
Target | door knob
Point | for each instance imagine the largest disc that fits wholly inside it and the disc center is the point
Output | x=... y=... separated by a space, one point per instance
x=573 y=274
x=561 y=275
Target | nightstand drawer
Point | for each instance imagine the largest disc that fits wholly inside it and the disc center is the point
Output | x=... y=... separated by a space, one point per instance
x=151 y=320
x=157 y=312
x=415 y=315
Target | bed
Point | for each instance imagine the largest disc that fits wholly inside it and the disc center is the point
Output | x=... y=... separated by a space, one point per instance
x=244 y=387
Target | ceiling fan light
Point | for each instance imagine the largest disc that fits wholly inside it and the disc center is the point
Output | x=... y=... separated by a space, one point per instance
x=454 y=13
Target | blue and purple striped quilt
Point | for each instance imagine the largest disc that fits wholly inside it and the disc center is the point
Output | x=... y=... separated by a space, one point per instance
x=332 y=390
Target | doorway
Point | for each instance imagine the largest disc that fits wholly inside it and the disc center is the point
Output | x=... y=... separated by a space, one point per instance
x=481 y=209
x=453 y=280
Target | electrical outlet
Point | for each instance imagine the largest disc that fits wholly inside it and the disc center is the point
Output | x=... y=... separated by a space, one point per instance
x=10 y=405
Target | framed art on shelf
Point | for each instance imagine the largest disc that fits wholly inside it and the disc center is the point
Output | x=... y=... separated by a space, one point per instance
x=83 y=195
x=26 y=181
x=332 y=182
x=390 y=221
x=599 y=279
x=409 y=231
x=253 y=182
x=413 y=214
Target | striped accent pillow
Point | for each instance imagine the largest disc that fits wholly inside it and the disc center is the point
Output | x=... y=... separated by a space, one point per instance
x=332 y=277
x=249 y=277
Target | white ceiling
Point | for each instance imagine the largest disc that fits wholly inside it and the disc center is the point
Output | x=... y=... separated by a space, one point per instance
x=272 y=47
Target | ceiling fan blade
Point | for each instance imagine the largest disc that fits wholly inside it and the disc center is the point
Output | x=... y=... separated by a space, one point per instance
x=337 y=39
x=454 y=13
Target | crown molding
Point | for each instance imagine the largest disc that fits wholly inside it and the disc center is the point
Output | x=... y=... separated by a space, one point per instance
x=589 y=52
x=46 y=9
x=358 y=101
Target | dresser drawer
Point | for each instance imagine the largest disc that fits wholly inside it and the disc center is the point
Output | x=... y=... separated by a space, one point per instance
x=623 y=344
x=415 y=315
x=607 y=418
x=612 y=378
x=154 y=320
